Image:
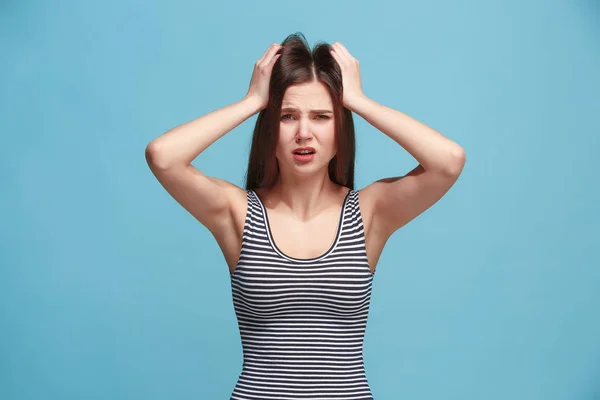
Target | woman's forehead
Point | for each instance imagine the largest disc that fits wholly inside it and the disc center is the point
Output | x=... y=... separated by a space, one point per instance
x=307 y=97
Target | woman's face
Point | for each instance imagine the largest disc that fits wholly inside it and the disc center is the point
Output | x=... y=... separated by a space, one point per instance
x=306 y=120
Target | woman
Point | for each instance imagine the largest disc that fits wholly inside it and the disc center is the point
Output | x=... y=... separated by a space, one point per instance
x=300 y=242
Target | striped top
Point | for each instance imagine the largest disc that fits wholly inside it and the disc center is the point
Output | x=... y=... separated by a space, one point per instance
x=302 y=321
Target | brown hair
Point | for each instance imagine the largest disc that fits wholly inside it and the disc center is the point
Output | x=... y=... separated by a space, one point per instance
x=296 y=65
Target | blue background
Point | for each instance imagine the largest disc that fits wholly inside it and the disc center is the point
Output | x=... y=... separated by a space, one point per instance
x=111 y=290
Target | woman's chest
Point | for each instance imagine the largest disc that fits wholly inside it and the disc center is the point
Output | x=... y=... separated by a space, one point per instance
x=304 y=239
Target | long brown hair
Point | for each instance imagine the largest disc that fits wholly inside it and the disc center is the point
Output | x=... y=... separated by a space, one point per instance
x=296 y=65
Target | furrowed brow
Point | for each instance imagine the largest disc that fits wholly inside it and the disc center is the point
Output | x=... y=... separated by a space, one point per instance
x=292 y=109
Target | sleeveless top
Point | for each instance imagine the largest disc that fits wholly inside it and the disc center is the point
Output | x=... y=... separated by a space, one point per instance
x=302 y=321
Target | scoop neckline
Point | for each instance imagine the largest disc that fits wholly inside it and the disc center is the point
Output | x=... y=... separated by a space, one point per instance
x=326 y=253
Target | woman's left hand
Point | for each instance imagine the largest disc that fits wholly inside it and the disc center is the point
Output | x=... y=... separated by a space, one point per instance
x=350 y=74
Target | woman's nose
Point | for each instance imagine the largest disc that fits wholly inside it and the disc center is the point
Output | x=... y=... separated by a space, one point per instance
x=304 y=129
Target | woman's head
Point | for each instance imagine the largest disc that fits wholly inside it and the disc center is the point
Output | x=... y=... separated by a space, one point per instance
x=305 y=109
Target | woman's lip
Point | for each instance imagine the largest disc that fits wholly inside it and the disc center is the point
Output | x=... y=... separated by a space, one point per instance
x=304 y=157
x=304 y=148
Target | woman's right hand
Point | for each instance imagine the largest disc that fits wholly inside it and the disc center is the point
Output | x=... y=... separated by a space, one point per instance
x=261 y=76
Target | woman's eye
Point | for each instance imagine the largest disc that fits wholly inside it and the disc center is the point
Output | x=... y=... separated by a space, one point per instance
x=290 y=116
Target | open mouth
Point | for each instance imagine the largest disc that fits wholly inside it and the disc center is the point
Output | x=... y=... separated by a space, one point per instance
x=304 y=151
x=304 y=154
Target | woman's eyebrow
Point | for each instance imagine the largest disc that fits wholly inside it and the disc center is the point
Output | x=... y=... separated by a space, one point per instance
x=292 y=109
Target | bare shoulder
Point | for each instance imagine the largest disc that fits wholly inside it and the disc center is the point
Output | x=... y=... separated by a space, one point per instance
x=393 y=202
x=212 y=201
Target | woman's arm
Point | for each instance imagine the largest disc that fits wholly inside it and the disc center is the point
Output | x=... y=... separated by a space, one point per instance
x=435 y=152
x=182 y=144
x=169 y=156
x=395 y=201
x=392 y=202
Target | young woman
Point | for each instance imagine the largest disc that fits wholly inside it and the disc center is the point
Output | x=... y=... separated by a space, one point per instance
x=300 y=242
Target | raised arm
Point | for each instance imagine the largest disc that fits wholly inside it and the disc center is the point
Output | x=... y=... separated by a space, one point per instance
x=169 y=156
x=393 y=202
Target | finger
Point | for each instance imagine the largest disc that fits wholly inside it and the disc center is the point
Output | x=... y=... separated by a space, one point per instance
x=343 y=50
x=270 y=54
x=264 y=56
x=339 y=56
x=339 y=52
x=274 y=60
x=276 y=53
x=334 y=54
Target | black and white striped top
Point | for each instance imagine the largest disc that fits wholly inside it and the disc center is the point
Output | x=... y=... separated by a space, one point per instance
x=302 y=321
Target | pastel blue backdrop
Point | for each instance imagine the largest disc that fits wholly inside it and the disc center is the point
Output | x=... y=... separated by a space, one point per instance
x=111 y=290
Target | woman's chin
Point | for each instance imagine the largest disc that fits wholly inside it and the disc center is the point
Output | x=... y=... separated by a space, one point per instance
x=305 y=169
